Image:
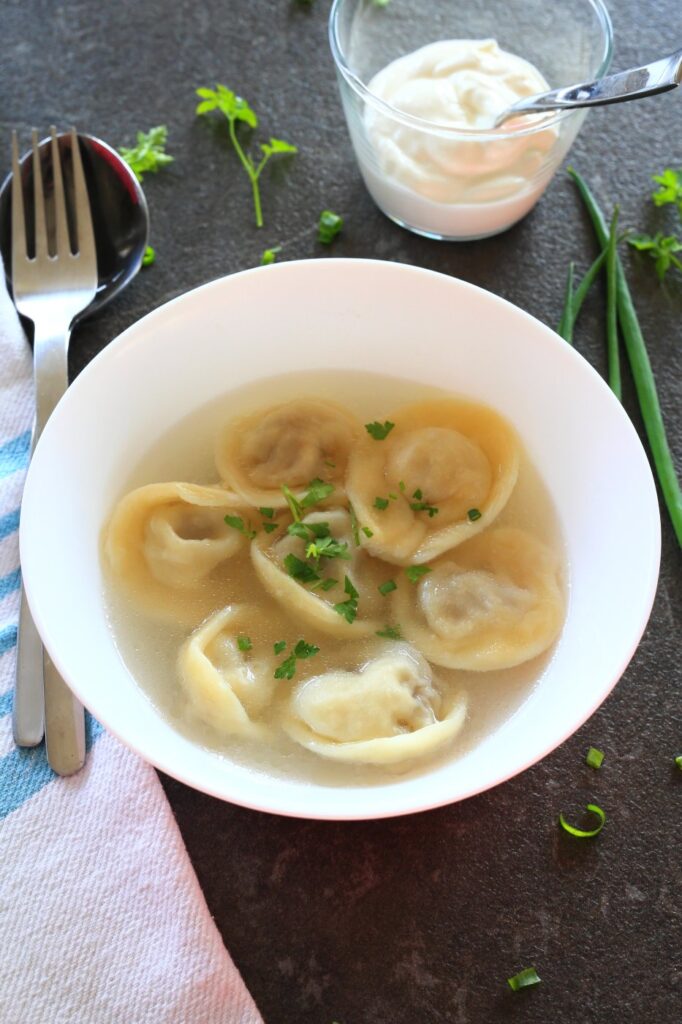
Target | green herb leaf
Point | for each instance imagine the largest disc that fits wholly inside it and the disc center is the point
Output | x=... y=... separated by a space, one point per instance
x=299 y=530
x=267 y=513
x=524 y=979
x=328 y=462
x=423 y=506
x=300 y=570
x=594 y=758
x=328 y=226
x=670 y=190
x=269 y=527
x=415 y=572
x=244 y=643
x=293 y=503
x=418 y=494
x=678 y=761
x=237 y=523
x=661 y=248
x=390 y=633
x=279 y=646
x=473 y=514
x=236 y=109
x=148 y=155
x=585 y=833
x=387 y=587
x=367 y=532
x=327 y=547
x=287 y=669
x=379 y=431
x=318 y=490
x=328 y=584
x=270 y=255
x=381 y=503
x=148 y=257
x=304 y=650
x=348 y=609
x=354 y=525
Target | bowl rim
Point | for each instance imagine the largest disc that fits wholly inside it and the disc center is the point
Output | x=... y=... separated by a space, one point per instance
x=507 y=131
x=647 y=589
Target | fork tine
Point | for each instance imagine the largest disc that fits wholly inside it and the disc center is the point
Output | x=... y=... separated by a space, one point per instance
x=85 y=236
x=38 y=201
x=63 y=246
x=19 y=251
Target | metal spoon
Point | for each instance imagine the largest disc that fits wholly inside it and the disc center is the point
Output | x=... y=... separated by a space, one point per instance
x=121 y=223
x=660 y=76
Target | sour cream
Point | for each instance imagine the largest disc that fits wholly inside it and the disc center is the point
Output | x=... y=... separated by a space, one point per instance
x=456 y=185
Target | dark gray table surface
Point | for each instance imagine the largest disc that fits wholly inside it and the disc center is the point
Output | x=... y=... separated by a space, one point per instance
x=419 y=919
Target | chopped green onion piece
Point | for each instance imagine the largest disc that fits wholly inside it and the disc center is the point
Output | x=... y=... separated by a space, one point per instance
x=237 y=523
x=279 y=646
x=149 y=256
x=367 y=532
x=269 y=527
x=268 y=513
x=473 y=514
x=594 y=757
x=415 y=572
x=524 y=979
x=244 y=643
x=585 y=833
x=381 y=503
x=678 y=761
x=390 y=633
x=329 y=226
x=270 y=255
x=379 y=431
x=387 y=587
x=299 y=569
x=293 y=503
x=423 y=506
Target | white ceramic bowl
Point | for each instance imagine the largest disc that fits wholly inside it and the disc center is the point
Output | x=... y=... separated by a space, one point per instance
x=345 y=314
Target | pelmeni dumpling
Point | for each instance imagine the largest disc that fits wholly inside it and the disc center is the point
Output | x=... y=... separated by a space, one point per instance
x=443 y=460
x=225 y=685
x=493 y=603
x=309 y=601
x=164 y=540
x=291 y=444
x=388 y=711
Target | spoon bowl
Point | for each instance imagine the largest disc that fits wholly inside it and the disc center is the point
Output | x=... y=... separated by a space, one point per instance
x=119 y=211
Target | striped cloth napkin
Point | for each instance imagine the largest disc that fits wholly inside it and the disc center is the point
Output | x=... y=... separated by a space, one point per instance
x=102 y=920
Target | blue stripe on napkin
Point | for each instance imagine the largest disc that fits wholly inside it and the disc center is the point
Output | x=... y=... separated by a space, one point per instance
x=9 y=583
x=6 y=703
x=14 y=454
x=8 y=638
x=25 y=771
x=9 y=523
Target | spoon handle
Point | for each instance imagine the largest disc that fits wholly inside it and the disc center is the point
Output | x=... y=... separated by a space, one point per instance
x=659 y=76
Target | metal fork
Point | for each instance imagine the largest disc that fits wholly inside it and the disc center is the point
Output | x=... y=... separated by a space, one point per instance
x=51 y=290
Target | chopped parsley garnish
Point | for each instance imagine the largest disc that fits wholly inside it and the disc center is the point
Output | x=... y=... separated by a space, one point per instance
x=381 y=503
x=269 y=527
x=328 y=226
x=524 y=979
x=387 y=587
x=379 y=431
x=267 y=513
x=299 y=530
x=237 y=523
x=148 y=155
x=328 y=462
x=594 y=757
x=348 y=609
x=270 y=255
x=318 y=490
x=473 y=514
x=581 y=833
x=279 y=646
x=415 y=572
x=244 y=643
x=327 y=547
x=302 y=650
x=390 y=633
x=367 y=532
x=292 y=502
x=300 y=570
x=423 y=506
x=325 y=585
x=401 y=485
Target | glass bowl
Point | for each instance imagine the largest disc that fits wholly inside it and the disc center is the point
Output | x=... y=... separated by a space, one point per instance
x=462 y=183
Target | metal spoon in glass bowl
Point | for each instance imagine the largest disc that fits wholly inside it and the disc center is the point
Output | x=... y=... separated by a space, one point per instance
x=120 y=222
x=659 y=76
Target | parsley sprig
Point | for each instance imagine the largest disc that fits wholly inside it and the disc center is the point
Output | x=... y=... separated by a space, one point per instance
x=379 y=431
x=302 y=650
x=148 y=155
x=662 y=248
x=348 y=609
x=237 y=523
x=236 y=109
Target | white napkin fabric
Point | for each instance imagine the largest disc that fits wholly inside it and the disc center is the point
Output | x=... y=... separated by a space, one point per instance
x=102 y=920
